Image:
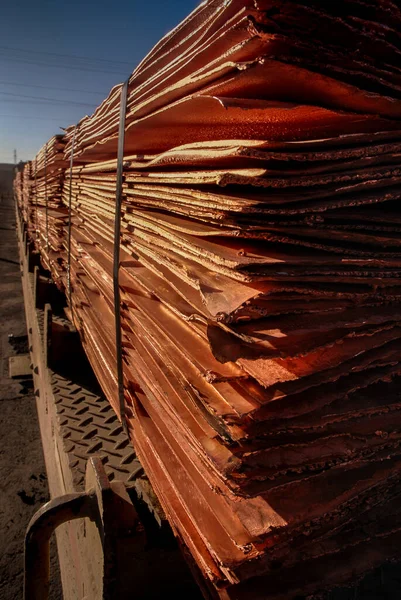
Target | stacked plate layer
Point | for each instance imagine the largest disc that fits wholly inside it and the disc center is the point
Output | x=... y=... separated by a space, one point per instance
x=47 y=216
x=260 y=285
x=18 y=187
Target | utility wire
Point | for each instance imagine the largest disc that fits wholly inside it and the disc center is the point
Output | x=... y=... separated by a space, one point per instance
x=41 y=98
x=121 y=62
x=40 y=64
x=34 y=117
x=46 y=87
x=45 y=103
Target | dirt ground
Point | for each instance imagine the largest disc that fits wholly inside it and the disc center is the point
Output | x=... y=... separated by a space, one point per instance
x=23 y=482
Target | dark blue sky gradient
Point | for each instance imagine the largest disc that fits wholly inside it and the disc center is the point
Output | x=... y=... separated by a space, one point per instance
x=31 y=32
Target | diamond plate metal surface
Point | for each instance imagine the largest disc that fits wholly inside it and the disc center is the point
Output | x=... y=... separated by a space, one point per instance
x=89 y=426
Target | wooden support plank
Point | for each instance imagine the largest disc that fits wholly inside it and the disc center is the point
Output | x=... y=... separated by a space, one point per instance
x=20 y=366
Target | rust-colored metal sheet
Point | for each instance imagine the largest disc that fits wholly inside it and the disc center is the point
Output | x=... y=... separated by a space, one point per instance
x=260 y=282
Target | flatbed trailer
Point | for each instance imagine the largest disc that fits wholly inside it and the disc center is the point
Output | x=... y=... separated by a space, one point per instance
x=112 y=535
x=113 y=539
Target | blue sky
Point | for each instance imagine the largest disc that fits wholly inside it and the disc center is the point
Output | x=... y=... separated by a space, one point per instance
x=116 y=34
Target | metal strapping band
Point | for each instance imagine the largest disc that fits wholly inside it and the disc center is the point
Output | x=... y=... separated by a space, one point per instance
x=46 y=202
x=36 y=199
x=69 y=222
x=116 y=261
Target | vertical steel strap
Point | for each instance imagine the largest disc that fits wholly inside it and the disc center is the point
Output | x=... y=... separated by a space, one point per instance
x=46 y=205
x=69 y=222
x=36 y=199
x=116 y=261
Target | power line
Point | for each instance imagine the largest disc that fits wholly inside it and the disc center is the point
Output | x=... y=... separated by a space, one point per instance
x=31 y=62
x=46 y=87
x=40 y=98
x=32 y=117
x=39 y=102
x=44 y=103
x=121 y=62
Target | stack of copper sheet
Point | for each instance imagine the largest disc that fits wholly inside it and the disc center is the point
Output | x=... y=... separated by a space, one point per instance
x=18 y=187
x=47 y=215
x=260 y=285
x=23 y=190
